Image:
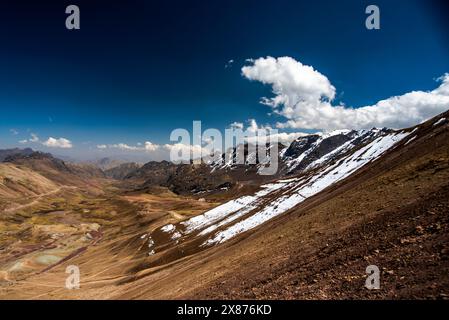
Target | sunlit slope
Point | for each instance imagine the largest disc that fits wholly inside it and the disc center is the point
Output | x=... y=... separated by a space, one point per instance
x=19 y=181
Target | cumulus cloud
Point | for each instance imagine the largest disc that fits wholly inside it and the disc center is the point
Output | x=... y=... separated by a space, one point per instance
x=152 y=147
x=183 y=148
x=58 y=143
x=147 y=146
x=304 y=97
x=281 y=137
x=271 y=135
x=50 y=142
x=292 y=82
x=183 y=153
x=253 y=131
x=124 y=146
x=254 y=127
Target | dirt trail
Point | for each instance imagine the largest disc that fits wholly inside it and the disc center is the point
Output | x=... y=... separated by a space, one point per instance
x=393 y=213
x=38 y=198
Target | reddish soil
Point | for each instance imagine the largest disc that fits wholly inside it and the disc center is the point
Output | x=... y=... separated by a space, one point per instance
x=393 y=213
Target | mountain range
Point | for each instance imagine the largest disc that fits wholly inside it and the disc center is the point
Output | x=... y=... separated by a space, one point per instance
x=339 y=202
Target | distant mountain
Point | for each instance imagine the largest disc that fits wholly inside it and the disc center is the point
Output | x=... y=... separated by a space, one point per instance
x=197 y=179
x=38 y=160
x=179 y=178
x=107 y=163
x=17 y=182
x=5 y=153
x=341 y=201
x=122 y=170
x=56 y=169
x=153 y=173
x=303 y=154
x=85 y=170
x=222 y=172
x=252 y=165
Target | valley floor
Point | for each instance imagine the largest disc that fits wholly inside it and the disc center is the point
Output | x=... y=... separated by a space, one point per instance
x=392 y=213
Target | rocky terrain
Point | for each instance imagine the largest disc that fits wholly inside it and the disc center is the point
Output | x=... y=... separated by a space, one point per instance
x=14 y=152
x=340 y=201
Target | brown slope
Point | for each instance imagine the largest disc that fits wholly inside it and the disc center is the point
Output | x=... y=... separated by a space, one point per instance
x=393 y=213
x=16 y=182
x=84 y=176
x=322 y=247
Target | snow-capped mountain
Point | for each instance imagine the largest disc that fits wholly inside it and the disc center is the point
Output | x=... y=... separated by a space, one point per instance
x=223 y=171
x=304 y=153
x=309 y=165
x=312 y=151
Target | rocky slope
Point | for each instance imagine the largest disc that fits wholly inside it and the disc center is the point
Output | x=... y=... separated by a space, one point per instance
x=60 y=172
x=5 y=153
x=225 y=171
x=122 y=170
x=343 y=201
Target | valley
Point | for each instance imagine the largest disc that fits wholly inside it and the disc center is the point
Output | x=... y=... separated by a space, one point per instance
x=339 y=203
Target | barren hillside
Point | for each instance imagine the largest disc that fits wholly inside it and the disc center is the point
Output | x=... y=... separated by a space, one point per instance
x=382 y=199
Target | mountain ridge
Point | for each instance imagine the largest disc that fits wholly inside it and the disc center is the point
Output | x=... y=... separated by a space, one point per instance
x=353 y=199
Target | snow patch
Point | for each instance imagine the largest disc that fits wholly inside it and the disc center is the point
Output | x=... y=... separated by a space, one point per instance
x=442 y=120
x=168 y=228
x=302 y=191
x=218 y=213
x=176 y=235
x=410 y=140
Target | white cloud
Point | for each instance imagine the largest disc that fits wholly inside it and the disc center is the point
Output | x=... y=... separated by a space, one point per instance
x=124 y=146
x=253 y=126
x=282 y=137
x=147 y=146
x=34 y=138
x=58 y=143
x=50 y=142
x=291 y=81
x=236 y=125
x=229 y=63
x=184 y=148
x=183 y=153
x=304 y=97
x=14 y=132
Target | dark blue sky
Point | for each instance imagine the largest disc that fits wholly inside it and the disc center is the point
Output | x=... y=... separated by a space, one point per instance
x=138 y=69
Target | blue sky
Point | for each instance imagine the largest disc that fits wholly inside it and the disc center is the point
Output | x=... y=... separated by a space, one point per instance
x=137 y=70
